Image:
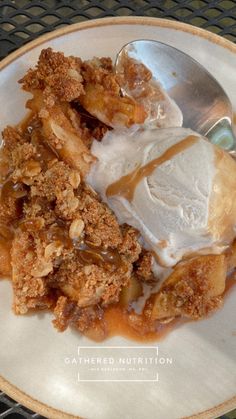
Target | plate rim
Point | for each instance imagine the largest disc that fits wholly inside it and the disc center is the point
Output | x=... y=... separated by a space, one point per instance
x=119 y=20
x=10 y=389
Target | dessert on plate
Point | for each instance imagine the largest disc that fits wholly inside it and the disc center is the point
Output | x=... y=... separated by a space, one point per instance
x=112 y=215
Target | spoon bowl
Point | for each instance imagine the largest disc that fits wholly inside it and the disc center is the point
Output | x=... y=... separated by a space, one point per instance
x=205 y=106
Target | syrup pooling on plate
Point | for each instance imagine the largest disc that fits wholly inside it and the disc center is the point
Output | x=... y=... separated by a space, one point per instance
x=70 y=252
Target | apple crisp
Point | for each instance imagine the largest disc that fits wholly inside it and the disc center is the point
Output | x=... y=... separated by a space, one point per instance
x=62 y=246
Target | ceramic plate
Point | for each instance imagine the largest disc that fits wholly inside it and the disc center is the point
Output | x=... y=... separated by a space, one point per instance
x=193 y=370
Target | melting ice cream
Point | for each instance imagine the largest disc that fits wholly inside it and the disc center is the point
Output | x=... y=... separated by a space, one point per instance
x=174 y=186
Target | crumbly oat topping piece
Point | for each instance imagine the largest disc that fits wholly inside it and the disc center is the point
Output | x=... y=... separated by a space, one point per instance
x=143 y=266
x=193 y=290
x=130 y=246
x=101 y=226
x=91 y=283
x=30 y=287
x=59 y=74
x=68 y=313
x=55 y=185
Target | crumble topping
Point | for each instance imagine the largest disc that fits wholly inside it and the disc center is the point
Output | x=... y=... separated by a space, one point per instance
x=68 y=252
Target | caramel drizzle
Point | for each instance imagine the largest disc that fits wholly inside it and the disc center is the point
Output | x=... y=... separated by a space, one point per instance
x=86 y=252
x=88 y=255
x=25 y=122
x=127 y=184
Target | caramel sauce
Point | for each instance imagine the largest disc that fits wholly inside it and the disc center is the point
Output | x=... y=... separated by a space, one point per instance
x=118 y=323
x=163 y=244
x=127 y=184
x=95 y=255
x=86 y=253
x=25 y=123
x=45 y=154
x=59 y=233
x=14 y=190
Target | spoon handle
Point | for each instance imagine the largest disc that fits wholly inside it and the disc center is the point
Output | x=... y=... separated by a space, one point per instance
x=222 y=135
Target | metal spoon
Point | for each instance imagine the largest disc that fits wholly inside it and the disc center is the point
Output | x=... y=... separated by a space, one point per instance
x=205 y=106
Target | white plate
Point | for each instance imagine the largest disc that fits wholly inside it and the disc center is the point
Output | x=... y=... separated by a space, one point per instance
x=33 y=356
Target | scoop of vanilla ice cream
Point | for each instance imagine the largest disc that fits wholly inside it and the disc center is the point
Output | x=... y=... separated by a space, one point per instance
x=186 y=204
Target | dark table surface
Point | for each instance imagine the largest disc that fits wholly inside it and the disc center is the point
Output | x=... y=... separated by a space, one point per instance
x=23 y=20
